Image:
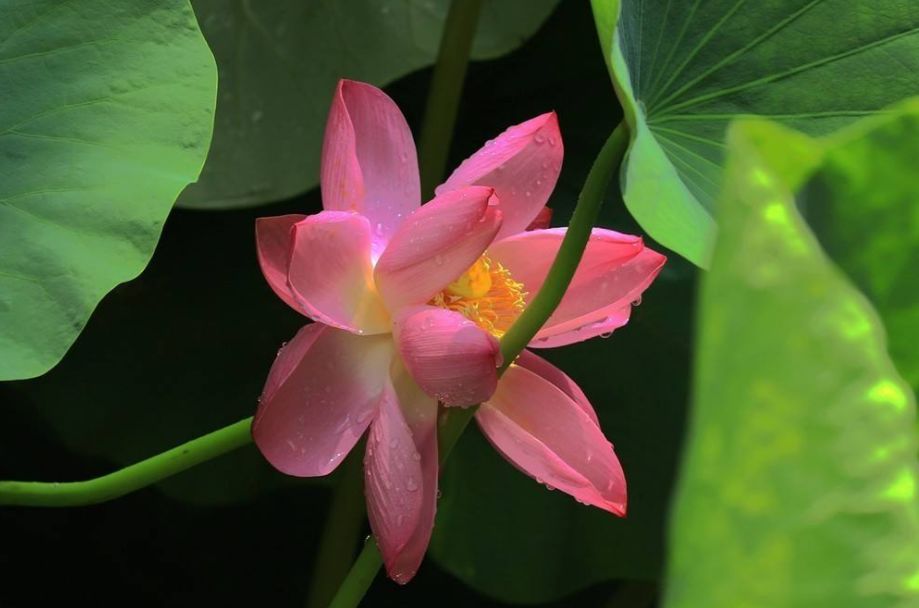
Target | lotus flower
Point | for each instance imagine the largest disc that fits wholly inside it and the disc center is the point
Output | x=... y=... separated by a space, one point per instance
x=409 y=302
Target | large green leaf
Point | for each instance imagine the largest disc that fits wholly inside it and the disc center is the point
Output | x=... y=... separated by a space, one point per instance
x=683 y=72
x=799 y=485
x=106 y=116
x=279 y=63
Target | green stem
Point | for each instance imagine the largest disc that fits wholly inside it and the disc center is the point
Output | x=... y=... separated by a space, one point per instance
x=444 y=96
x=360 y=577
x=128 y=479
x=569 y=254
x=343 y=526
x=453 y=421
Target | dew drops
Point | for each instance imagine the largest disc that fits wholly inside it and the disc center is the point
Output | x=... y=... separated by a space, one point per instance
x=605 y=335
x=411 y=485
x=636 y=301
x=416 y=456
x=393 y=443
x=539 y=138
x=527 y=194
x=363 y=416
x=552 y=141
x=439 y=259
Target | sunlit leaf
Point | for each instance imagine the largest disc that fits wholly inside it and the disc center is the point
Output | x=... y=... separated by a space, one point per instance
x=864 y=206
x=100 y=129
x=799 y=483
x=279 y=62
x=684 y=70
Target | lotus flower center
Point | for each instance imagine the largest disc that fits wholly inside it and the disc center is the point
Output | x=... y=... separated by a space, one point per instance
x=486 y=294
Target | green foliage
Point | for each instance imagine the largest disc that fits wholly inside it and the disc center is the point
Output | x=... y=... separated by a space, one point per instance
x=279 y=63
x=864 y=206
x=100 y=130
x=799 y=484
x=682 y=72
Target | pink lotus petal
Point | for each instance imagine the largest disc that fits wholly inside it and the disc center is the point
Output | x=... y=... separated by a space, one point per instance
x=548 y=436
x=321 y=395
x=400 y=476
x=608 y=320
x=369 y=163
x=435 y=245
x=560 y=379
x=273 y=239
x=288 y=358
x=615 y=270
x=542 y=220
x=331 y=275
x=450 y=357
x=522 y=165
x=420 y=413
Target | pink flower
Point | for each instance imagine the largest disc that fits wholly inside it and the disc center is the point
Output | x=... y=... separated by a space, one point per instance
x=409 y=302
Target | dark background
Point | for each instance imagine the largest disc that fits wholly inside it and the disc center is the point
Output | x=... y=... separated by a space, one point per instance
x=184 y=349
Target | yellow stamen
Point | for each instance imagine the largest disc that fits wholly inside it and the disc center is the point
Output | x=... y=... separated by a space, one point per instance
x=486 y=294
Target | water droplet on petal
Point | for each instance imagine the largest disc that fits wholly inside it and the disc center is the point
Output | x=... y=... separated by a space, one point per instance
x=393 y=443
x=539 y=138
x=605 y=335
x=636 y=301
x=411 y=485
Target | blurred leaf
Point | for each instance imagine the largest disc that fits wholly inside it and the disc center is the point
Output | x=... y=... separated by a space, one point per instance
x=279 y=63
x=100 y=129
x=864 y=206
x=799 y=483
x=506 y=535
x=683 y=72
